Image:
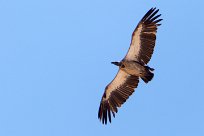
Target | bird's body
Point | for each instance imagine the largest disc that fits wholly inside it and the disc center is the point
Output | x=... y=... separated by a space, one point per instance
x=132 y=67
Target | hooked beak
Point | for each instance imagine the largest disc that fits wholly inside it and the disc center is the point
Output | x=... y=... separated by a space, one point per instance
x=116 y=63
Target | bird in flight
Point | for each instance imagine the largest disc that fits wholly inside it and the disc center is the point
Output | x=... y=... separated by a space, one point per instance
x=132 y=67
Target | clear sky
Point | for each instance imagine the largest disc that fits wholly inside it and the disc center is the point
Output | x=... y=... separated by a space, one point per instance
x=55 y=63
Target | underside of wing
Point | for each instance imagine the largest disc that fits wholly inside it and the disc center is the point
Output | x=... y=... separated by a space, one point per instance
x=116 y=93
x=144 y=37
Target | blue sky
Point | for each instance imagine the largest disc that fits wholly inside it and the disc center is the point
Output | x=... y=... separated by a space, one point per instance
x=55 y=63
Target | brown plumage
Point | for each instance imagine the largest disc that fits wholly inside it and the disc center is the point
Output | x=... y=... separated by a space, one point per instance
x=132 y=66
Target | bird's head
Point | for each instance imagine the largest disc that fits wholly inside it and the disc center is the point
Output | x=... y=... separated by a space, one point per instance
x=116 y=63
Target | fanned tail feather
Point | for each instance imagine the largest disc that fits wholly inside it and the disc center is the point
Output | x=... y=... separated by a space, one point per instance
x=148 y=75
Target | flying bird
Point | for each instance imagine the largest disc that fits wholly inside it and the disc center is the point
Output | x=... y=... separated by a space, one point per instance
x=132 y=67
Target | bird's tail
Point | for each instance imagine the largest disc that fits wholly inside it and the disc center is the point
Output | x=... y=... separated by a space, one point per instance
x=148 y=74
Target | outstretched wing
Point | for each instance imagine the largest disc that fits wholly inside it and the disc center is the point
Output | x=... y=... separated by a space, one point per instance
x=116 y=93
x=144 y=37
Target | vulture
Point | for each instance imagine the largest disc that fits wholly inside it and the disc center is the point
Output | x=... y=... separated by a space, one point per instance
x=132 y=67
